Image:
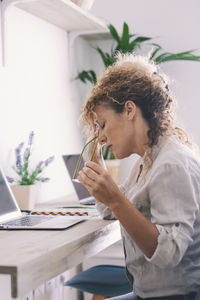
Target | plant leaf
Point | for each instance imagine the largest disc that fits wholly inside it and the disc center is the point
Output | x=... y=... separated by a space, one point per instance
x=136 y=43
x=141 y=39
x=161 y=57
x=124 y=43
x=107 y=154
x=85 y=76
x=93 y=76
x=114 y=33
x=186 y=55
x=155 y=52
x=106 y=57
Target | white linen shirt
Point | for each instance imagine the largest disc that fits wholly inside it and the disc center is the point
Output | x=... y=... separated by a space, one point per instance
x=170 y=198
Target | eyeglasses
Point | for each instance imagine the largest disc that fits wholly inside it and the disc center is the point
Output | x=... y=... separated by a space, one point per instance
x=97 y=138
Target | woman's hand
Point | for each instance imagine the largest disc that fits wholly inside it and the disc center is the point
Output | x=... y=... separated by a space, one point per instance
x=99 y=183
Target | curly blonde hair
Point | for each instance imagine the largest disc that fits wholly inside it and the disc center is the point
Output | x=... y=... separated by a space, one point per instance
x=138 y=79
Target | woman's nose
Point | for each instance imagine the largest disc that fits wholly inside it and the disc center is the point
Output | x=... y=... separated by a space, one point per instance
x=103 y=140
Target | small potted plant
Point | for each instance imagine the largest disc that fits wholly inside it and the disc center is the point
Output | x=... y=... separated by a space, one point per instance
x=24 y=185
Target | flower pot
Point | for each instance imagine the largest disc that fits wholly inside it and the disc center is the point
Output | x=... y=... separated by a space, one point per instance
x=25 y=195
x=113 y=167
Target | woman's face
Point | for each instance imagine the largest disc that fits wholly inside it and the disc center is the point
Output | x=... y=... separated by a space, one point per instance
x=119 y=130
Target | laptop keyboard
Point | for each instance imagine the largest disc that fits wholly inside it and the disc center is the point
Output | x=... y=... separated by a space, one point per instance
x=28 y=220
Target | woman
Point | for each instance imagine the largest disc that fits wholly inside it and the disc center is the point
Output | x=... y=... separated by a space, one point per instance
x=158 y=205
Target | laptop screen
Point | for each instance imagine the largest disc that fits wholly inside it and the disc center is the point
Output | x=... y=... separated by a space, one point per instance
x=70 y=162
x=7 y=203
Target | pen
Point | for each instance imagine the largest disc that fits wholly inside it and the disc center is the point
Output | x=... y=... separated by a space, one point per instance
x=88 y=207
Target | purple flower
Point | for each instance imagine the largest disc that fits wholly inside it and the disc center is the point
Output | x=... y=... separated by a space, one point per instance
x=19 y=148
x=44 y=179
x=18 y=162
x=48 y=160
x=31 y=136
x=10 y=179
x=18 y=156
x=26 y=154
x=40 y=164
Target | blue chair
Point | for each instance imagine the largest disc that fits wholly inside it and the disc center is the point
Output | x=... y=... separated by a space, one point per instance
x=198 y=295
x=105 y=280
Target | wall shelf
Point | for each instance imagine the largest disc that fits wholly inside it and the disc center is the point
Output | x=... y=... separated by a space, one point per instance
x=62 y=13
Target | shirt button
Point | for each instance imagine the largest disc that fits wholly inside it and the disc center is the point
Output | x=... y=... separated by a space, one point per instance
x=177 y=224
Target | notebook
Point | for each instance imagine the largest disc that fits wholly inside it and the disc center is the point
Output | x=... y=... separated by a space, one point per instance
x=82 y=193
x=11 y=216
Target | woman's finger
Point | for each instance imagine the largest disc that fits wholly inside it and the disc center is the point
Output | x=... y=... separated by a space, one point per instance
x=85 y=180
x=90 y=173
x=95 y=167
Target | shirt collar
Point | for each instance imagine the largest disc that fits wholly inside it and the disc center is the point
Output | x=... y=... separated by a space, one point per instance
x=151 y=153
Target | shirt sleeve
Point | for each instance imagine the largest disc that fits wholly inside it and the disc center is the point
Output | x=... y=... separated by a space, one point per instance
x=174 y=200
x=105 y=212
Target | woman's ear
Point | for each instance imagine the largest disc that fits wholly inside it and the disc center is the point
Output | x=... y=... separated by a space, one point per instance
x=130 y=109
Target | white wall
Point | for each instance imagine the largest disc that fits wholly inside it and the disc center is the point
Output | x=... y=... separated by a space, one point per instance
x=35 y=95
x=35 y=91
x=176 y=26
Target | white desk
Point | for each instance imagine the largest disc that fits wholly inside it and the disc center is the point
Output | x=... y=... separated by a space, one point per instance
x=33 y=257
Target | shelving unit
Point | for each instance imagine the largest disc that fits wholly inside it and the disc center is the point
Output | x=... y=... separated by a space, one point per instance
x=62 y=13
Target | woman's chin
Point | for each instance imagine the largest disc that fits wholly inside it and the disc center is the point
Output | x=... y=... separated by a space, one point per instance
x=121 y=155
x=118 y=156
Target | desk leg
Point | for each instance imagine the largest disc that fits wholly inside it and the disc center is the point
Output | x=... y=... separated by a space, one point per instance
x=79 y=269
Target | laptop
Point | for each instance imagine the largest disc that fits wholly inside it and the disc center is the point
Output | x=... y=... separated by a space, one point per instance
x=82 y=193
x=11 y=216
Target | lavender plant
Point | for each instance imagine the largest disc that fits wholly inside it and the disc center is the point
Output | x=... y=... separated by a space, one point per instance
x=26 y=175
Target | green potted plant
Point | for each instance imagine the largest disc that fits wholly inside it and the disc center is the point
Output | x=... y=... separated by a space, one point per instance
x=129 y=43
x=24 y=184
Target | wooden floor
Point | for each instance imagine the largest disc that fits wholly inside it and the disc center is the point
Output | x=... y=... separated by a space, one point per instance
x=98 y=297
